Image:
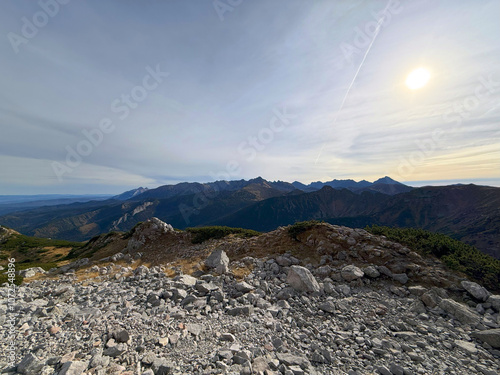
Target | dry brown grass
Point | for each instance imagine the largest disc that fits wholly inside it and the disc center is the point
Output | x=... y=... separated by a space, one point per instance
x=241 y=272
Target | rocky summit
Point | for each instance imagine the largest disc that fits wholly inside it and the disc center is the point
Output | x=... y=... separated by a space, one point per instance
x=331 y=300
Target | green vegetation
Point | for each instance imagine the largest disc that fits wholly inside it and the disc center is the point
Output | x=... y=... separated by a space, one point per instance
x=23 y=266
x=300 y=227
x=24 y=244
x=203 y=234
x=455 y=254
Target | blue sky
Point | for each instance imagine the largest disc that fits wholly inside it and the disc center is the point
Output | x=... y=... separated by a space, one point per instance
x=198 y=90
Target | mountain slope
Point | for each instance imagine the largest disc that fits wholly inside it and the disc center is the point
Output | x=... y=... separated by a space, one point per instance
x=468 y=212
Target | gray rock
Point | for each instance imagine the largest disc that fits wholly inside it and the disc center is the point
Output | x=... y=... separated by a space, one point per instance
x=121 y=336
x=227 y=337
x=327 y=306
x=73 y=368
x=400 y=277
x=475 y=290
x=219 y=261
x=194 y=329
x=293 y=360
x=351 y=273
x=494 y=300
x=99 y=360
x=371 y=271
x=461 y=312
x=241 y=310
x=468 y=347
x=301 y=279
x=417 y=290
x=243 y=287
x=490 y=336
x=396 y=369
x=30 y=365
x=185 y=280
x=30 y=272
x=383 y=370
x=283 y=261
x=161 y=366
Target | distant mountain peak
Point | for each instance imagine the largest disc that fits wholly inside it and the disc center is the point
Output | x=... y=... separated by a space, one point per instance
x=387 y=180
x=130 y=194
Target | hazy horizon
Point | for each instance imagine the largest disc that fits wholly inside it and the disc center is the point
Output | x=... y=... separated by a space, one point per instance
x=103 y=97
x=416 y=184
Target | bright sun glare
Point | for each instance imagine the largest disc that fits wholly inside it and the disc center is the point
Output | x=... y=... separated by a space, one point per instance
x=418 y=78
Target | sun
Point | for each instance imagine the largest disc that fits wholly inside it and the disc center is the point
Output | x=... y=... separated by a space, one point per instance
x=418 y=78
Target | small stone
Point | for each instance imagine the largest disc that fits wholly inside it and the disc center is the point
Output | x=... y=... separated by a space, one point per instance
x=227 y=337
x=468 y=347
x=351 y=273
x=73 y=368
x=54 y=330
x=400 y=277
x=121 y=336
x=163 y=341
x=244 y=287
x=371 y=271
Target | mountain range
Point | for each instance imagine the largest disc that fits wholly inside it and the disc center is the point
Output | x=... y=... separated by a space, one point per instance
x=467 y=212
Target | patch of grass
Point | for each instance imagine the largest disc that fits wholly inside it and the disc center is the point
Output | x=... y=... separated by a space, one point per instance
x=22 y=243
x=5 y=279
x=455 y=254
x=23 y=266
x=203 y=234
x=300 y=227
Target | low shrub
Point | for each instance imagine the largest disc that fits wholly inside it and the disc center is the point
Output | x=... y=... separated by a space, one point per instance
x=300 y=227
x=203 y=234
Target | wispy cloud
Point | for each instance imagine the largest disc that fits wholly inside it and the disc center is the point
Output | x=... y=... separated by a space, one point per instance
x=227 y=77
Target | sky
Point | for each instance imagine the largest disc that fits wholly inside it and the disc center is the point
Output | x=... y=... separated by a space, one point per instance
x=105 y=96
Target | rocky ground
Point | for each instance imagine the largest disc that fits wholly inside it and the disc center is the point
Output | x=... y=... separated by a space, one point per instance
x=340 y=301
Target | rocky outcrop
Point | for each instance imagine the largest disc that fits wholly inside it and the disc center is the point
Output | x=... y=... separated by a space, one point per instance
x=338 y=305
x=148 y=231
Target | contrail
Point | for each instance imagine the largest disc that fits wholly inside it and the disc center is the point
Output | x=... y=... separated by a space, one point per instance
x=379 y=23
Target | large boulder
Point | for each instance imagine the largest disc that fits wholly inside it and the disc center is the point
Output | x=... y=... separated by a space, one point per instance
x=490 y=336
x=475 y=290
x=218 y=261
x=301 y=279
x=351 y=272
x=461 y=312
x=494 y=300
